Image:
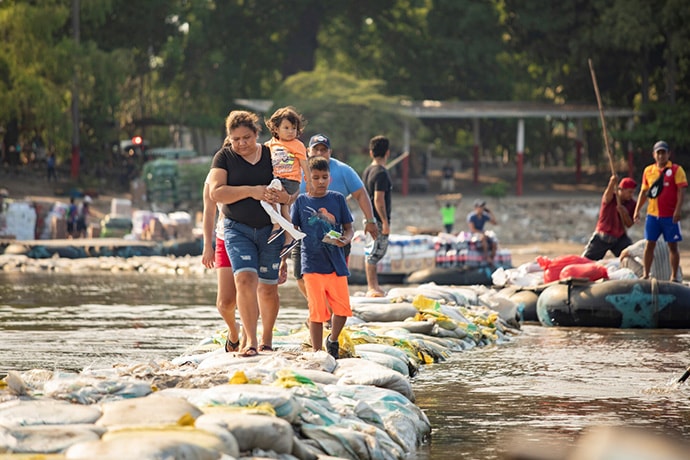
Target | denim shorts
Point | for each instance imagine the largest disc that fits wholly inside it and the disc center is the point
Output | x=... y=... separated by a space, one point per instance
x=249 y=250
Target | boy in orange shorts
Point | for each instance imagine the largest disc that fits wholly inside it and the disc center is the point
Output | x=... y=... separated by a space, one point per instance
x=326 y=219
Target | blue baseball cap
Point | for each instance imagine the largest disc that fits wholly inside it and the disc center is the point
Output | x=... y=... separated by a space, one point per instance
x=319 y=139
x=660 y=145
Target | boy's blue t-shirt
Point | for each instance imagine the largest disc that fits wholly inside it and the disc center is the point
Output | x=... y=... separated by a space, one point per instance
x=478 y=219
x=344 y=179
x=316 y=217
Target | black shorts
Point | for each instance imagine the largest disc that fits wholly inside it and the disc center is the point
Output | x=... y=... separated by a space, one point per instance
x=599 y=244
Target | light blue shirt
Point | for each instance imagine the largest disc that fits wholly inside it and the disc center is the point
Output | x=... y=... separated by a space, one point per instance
x=344 y=179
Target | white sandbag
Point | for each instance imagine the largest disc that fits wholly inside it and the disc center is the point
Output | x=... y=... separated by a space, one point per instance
x=389 y=350
x=419 y=327
x=251 y=431
x=149 y=411
x=353 y=371
x=354 y=442
x=46 y=412
x=622 y=274
x=391 y=362
x=155 y=444
x=249 y=395
x=46 y=438
x=384 y=312
x=361 y=300
x=406 y=423
x=317 y=376
x=226 y=360
x=90 y=390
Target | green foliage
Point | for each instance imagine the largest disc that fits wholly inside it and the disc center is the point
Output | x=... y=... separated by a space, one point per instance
x=348 y=110
x=496 y=190
x=346 y=66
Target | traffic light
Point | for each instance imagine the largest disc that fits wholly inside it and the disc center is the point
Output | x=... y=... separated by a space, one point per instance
x=137 y=140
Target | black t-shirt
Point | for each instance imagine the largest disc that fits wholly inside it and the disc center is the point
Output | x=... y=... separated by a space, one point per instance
x=240 y=172
x=376 y=178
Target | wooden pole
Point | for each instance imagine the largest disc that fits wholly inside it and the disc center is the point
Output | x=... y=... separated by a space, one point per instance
x=601 y=115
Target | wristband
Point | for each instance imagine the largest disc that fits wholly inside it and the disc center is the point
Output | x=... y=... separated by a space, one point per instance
x=369 y=221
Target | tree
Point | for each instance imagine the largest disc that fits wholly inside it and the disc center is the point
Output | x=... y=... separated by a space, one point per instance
x=348 y=110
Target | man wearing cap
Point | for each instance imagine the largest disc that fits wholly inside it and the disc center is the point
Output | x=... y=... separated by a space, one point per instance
x=615 y=216
x=345 y=180
x=476 y=220
x=663 y=184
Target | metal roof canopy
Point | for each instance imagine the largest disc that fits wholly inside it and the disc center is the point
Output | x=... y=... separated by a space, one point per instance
x=478 y=110
x=509 y=109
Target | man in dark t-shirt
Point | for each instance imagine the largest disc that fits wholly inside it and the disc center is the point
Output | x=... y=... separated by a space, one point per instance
x=379 y=187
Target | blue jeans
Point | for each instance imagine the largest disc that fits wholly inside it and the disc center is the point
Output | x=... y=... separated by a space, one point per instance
x=249 y=250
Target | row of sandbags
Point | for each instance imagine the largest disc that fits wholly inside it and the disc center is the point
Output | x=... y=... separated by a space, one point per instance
x=291 y=403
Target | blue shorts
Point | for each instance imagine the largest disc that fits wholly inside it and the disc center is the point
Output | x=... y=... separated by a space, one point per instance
x=656 y=226
x=249 y=250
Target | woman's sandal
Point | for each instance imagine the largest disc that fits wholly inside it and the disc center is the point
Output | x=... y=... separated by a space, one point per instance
x=285 y=250
x=265 y=348
x=275 y=234
x=249 y=352
x=231 y=346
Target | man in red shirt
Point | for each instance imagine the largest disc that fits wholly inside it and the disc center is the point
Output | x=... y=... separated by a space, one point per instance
x=615 y=216
x=664 y=184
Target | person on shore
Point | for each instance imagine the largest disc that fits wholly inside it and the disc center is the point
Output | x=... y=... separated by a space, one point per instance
x=632 y=257
x=379 y=187
x=71 y=218
x=83 y=217
x=239 y=178
x=476 y=220
x=448 y=178
x=664 y=184
x=289 y=157
x=448 y=217
x=218 y=258
x=326 y=219
x=615 y=216
x=344 y=179
x=50 y=166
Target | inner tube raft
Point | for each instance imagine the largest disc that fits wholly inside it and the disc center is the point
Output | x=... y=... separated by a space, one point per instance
x=646 y=304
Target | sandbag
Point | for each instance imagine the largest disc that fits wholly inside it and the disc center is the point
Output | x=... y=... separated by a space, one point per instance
x=46 y=438
x=251 y=431
x=89 y=390
x=155 y=444
x=353 y=371
x=250 y=395
x=552 y=268
x=373 y=312
x=151 y=410
x=46 y=412
x=591 y=271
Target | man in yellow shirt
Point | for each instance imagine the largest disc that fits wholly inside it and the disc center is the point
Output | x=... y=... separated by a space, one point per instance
x=664 y=184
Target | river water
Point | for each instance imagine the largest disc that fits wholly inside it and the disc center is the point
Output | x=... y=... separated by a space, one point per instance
x=542 y=389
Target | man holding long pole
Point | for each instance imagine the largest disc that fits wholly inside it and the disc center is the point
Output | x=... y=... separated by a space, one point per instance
x=615 y=216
